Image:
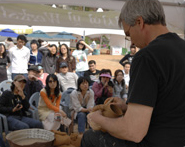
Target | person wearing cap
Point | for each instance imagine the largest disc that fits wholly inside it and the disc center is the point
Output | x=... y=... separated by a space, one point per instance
x=66 y=79
x=49 y=58
x=101 y=88
x=35 y=55
x=14 y=104
x=19 y=57
x=33 y=83
x=41 y=75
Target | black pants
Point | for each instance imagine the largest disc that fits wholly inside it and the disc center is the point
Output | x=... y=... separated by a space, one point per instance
x=99 y=139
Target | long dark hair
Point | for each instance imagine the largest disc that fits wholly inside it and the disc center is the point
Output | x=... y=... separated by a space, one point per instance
x=4 y=54
x=80 y=81
x=115 y=76
x=47 y=88
x=49 y=53
x=68 y=51
x=77 y=45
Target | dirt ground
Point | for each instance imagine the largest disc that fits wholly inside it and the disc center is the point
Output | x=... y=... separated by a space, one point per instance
x=107 y=61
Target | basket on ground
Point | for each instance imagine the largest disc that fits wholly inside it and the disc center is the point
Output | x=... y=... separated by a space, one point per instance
x=31 y=138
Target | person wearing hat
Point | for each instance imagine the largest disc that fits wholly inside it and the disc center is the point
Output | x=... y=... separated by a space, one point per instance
x=101 y=88
x=66 y=79
x=42 y=75
x=14 y=105
x=35 y=55
x=33 y=83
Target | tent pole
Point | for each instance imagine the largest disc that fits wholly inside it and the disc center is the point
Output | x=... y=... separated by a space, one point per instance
x=84 y=35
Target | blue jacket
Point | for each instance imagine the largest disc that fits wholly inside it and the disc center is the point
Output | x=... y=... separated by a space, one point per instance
x=34 y=60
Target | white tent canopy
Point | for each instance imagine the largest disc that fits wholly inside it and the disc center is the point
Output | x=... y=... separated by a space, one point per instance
x=31 y=13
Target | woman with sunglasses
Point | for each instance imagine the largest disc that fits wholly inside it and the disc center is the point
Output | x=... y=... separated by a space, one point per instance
x=81 y=57
x=49 y=104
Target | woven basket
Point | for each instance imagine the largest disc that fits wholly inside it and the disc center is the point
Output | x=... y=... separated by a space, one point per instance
x=31 y=138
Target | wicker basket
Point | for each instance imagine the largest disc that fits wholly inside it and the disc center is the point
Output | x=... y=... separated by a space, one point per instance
x=31 y=138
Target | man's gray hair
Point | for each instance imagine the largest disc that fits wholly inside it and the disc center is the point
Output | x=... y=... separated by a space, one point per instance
x=150 y=10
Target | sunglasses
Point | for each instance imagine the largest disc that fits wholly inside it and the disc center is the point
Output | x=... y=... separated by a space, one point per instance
x=81 y=44
x=51 y=81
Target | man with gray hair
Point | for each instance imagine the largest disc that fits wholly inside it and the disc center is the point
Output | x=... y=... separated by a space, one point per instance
x=155 y=109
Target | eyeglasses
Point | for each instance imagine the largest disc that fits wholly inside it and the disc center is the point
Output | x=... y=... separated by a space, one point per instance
x=127 y=33
x=51 y=81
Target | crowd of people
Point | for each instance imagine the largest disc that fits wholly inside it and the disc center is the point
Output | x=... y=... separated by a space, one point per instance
x=148 y=90
x=52 y=72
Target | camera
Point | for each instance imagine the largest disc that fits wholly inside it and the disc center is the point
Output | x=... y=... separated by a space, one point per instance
x=17 y=101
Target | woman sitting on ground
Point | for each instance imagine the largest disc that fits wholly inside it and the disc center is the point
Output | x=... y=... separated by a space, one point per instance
x=49 y=104
x=82 y=101
x=103 y=89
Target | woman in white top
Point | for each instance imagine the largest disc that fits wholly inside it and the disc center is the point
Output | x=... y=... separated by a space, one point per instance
x=82 y=102
x=81 y=57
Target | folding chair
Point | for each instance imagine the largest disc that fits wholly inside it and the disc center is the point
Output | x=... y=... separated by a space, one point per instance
x=65 y=102
x=5 y=85
x=34 y=100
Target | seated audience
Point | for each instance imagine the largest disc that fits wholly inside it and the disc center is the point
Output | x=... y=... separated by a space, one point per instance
x=33 y=84
x=119 y=84
x=82 y=102
x=66 y=79
x=101 y=89
x=92 y=74
x=41 y=75
x=49 y=104
x=14 y=105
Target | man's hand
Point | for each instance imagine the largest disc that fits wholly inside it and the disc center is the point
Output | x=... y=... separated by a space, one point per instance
x=32 y=78
x=91 y=118
x=17 y=108
x=110 y=89
x=120 y=103
x=19 y=88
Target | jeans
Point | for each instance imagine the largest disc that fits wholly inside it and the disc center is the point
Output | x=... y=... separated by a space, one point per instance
x=2 y=144
x=81 y=118
x=99 y=139
x=18 y=123
x=24 y=74
x=80 y=73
